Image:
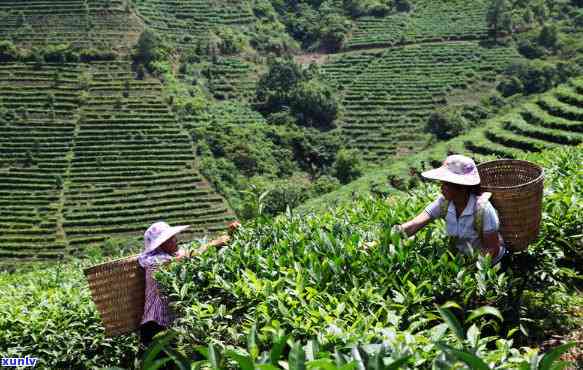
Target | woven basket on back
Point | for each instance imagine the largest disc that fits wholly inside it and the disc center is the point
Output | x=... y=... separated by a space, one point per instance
x=117 y=288
x=517 y=191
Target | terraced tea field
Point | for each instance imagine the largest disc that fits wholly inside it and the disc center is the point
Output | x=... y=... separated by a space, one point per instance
x=388 y=95
x=90 y=153
x=551 y=120
x=430 y=21
x=35 y=143
x=185 y=22
x=227 y=113
x=84 y=23
x=232 y=78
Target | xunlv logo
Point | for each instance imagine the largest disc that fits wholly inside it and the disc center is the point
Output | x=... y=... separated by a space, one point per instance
x=19 y=361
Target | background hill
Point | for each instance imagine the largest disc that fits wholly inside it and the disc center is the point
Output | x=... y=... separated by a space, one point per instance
x=118 y=113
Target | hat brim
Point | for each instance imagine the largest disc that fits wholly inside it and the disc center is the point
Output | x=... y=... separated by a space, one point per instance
x=444 y=174
x=165 y=235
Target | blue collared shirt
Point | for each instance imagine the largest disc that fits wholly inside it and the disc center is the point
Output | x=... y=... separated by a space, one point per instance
x=462 y=227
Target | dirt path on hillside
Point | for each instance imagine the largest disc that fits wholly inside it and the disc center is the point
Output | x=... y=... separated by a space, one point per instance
x=310 y=58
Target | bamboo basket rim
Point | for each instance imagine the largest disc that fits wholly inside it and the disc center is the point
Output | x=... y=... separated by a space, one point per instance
x=514 y=161
x=91 y=269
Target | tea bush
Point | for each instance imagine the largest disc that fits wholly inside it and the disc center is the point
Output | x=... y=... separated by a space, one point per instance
x=332 y=280
x=48 y=314
x=342 y=276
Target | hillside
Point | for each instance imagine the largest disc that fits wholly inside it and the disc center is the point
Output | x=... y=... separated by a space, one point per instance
x=387 y=102
x=118 y=113
x=551 y=120
x=89 y=152
x=99 y=24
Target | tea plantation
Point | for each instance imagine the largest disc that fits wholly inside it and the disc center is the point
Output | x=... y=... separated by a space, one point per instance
x=187 y=22
x=546 y=121
x=430 y=21
x=101 y=24
x=89 y=152
x=387 y=101
x=328 y=289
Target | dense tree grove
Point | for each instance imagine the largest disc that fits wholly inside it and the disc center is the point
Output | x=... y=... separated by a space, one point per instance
x=286 y=85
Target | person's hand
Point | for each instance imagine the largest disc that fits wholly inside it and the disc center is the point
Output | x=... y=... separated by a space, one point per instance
x=233 y=226
x=221 y=240
x=182 y=253
x=398 y=229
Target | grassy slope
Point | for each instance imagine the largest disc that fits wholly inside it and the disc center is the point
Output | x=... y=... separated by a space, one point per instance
x=473 y=144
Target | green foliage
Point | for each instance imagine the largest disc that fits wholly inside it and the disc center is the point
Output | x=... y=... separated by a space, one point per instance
x=536 y=76
x=347 y=166
x=448 y=122
x=314 y=104
x=403 y=5
x=151 y=50
x=93 y=54
x=549 y=36
x=61 y=53
x=278 y=158
x=315 y=275
x=8 y=51
x=286 y=84
x=333 y=31
x=498 y=17
x=49 y=314
x=228 y=41
x=530 y=49
x=359 y=8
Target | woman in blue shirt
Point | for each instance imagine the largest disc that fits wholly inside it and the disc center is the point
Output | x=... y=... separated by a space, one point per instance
x=470 y=218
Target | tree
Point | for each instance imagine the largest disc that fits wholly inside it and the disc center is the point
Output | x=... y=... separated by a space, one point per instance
x=7 y=51
x=530 y=49
x=549 y=36
x=498 y=17
x=348 y=165
x=283 y=75
x=333 y=32
x=314 y=104
x=287 y=86
x=140 y=72
x=445 y=124
x=149 y=48
x=510 y=86
x=403 y=5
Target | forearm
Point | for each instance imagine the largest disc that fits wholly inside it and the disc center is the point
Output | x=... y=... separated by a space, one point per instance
x=411 y=227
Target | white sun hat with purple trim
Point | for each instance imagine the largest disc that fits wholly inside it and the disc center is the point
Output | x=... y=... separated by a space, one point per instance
x=160 y=232
x=457 y=169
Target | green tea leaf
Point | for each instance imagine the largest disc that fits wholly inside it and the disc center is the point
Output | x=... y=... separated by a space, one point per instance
x=453 y=323
x=398 y=363
x=297 y=357
x=550 y=358
x=243 y=360
x=474 y=362
x=483 y=311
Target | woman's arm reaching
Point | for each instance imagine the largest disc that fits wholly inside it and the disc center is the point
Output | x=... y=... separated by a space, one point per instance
x=416 y=224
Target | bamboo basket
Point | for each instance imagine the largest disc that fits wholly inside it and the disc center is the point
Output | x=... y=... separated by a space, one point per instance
x=117 y=288
x=517 y=192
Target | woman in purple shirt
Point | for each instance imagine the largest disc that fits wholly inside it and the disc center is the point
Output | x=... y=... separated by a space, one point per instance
x=160 y=246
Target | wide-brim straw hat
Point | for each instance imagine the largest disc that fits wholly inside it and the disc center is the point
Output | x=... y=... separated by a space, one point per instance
x=160 y=232
x=457 y=169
